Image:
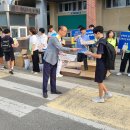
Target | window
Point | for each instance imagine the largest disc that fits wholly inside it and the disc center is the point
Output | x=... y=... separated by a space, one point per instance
x=74 y=6
x=60 y=8
x=68 y=6
x=108 y=3
x=80 y=5
x=127 y=2
x=84 y=5
x=17 y=31
x=117 y=3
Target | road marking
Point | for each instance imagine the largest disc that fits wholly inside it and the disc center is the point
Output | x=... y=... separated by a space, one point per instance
x=75 y=118
x=25 y=89
x=40 y=79
x=15 y=108
x=63 y=84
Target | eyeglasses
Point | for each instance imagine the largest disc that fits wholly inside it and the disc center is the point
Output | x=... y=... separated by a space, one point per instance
x=64 y=31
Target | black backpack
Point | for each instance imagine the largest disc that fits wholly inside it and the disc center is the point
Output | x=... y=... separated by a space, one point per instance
x=110 y=54
x=5 y=45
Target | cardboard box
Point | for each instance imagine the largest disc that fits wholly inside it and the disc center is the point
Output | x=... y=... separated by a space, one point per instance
x=24 y=51
x=19 y=61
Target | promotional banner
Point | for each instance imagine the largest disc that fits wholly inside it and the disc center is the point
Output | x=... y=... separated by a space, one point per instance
x=77 y=32
x=124 y=39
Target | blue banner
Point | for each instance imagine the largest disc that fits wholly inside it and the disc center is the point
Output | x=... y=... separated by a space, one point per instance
x=124 y=38
x=77 y=32
x=90 y=34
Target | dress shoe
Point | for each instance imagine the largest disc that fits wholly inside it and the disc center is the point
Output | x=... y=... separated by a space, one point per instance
x=56 y=92
x=45 y=95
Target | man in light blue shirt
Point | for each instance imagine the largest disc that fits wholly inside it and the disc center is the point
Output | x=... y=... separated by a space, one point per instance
x=81 y=57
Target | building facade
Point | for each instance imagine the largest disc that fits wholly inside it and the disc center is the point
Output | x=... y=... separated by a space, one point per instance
x=19 y=15
x=113 y=14
x=70 y=13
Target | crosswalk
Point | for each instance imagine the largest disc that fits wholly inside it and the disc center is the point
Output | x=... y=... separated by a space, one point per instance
x=19 y=109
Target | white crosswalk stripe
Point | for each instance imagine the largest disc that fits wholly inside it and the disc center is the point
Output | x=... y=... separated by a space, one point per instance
x=39 y=79
x=20 y=109
x=25 y=89
x=15 y=108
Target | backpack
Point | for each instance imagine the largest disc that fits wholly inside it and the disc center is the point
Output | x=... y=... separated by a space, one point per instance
x=110 y=55
x=5 y=45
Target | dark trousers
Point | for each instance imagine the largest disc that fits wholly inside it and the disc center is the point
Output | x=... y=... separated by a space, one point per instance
x=124 y=63
x=35 y=60
x=42 y=55
x=82 y=57
x=49 y=71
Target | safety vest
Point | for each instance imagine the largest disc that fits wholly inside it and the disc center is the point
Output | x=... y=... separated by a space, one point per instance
x=112 y=41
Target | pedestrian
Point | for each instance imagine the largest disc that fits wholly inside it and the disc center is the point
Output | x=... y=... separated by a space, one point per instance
x=101 y=70
x=51 y=59
x=81 y=57
x=7 y=44
x=1 y=52
x=125 y=58
x=33 y=47
x=51 y=31
x=42 y=38
x=60 y=62
x=111 y=38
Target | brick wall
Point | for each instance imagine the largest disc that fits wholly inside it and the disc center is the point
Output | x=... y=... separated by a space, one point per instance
x=91 y=12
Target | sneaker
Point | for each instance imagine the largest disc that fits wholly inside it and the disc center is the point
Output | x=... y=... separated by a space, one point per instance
x=128 y=74
x=35 y=73
x=59 y=76
x=98 y=100
x=119 y=73
x=108 y=95
x=11 y=72
x=1 y=68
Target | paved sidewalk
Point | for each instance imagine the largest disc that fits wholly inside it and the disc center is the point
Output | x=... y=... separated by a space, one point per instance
x=3 y=74
x=115 y=112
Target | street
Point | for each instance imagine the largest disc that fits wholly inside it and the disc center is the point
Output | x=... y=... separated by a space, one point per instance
x=22 y=106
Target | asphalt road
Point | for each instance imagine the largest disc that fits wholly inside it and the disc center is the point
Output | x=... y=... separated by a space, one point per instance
x=22 y=106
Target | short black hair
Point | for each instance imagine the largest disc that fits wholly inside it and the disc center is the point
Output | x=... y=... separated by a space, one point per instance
x=98 y=29
x=91 y=26
x=82 y=28
x=129 y=27
x=42 y=30
x=6 y=31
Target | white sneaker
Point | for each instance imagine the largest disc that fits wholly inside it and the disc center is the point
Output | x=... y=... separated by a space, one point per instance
x=119 y=73
x=59 y=76
x=108 y=95
x=35 y=73
x=98 y=100
x=128 y=74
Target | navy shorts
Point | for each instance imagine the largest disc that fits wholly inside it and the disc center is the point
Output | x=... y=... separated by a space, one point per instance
x=1 y=52
x=100 y=73
x=9 y=56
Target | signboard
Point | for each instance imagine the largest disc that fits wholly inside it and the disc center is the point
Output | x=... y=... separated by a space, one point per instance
x=124 y=38
x=23 y=9
x=77 y=32
x=90 y=34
